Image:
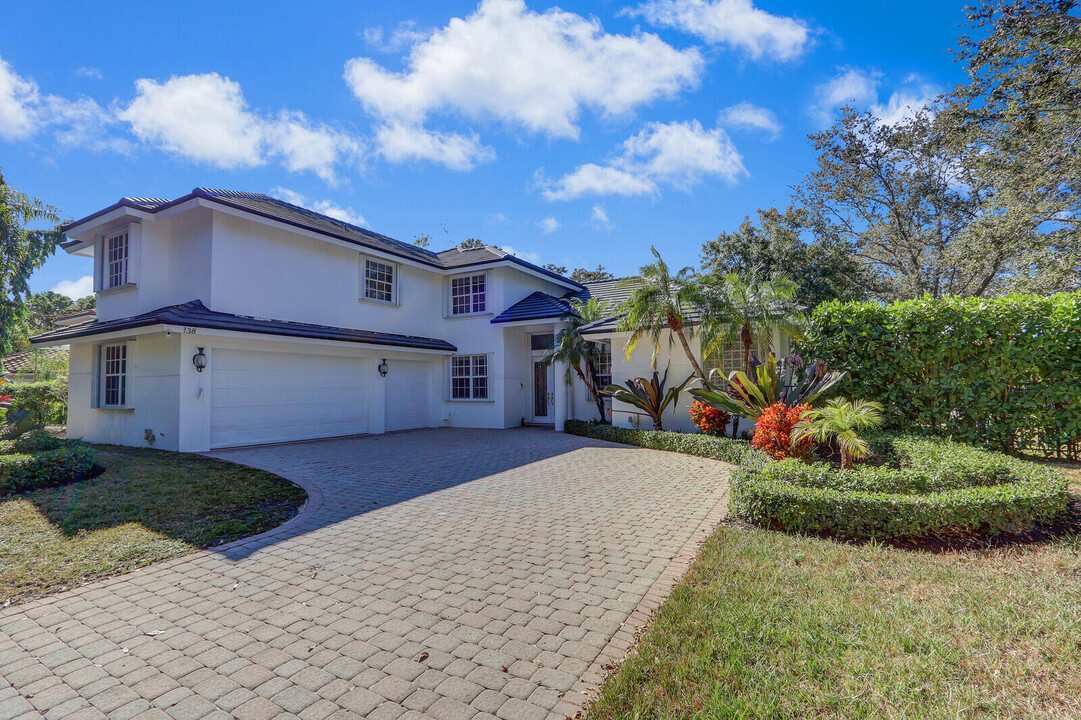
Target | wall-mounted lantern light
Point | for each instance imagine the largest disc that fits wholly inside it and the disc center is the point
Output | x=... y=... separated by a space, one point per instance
x=199 y=360
x=383 y=367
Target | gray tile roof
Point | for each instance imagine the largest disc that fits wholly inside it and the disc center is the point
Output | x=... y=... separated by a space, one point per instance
x=195 y=314
x=272 y=208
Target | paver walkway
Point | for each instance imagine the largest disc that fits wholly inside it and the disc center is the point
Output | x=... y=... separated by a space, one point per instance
x=434 y=574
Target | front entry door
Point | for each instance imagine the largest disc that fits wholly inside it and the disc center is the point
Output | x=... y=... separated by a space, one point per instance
x=543 y=392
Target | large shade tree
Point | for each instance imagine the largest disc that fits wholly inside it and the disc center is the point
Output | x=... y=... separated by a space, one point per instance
x=582 y=356
x=661 y=302
x=23 y=249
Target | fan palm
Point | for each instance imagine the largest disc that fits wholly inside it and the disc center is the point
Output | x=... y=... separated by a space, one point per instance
x=841 y=420
x=661 y=301
x=746 y=307
x=581 y=356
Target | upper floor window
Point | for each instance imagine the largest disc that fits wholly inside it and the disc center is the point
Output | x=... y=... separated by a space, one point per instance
x=379 y=281
x=114 y=375
x=116 y=260
x=469 y=294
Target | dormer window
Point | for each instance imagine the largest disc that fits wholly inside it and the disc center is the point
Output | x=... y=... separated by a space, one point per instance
x=379 y=280
x=469 y=294
x=117 y=251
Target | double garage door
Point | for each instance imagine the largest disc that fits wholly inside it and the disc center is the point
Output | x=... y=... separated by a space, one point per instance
x=264 y=397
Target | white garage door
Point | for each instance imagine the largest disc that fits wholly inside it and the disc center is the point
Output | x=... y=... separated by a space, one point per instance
x=262 y=397
x=407 y=395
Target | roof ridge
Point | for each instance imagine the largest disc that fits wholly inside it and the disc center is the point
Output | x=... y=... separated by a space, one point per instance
x=233 y=193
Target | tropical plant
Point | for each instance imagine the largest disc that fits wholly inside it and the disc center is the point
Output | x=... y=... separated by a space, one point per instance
x=14 y=423
x=581 y=356
x=774 y=432
x=649 y=395
x=22 y=251
x=840 y=421
x=747 y=307
x=748 y=398
x=709 y=419
x=661 y=301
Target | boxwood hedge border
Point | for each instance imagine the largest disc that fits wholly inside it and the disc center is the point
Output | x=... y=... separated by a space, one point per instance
x=707 y=446
x=40 y=460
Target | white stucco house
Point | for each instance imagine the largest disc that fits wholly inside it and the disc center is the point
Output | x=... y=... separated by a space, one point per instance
x=229 y=318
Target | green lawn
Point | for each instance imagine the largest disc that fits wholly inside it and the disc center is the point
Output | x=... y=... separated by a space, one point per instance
x=147 y=505
x=767 y=625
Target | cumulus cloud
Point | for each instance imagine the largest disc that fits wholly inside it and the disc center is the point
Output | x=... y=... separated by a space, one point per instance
x=676 y=154
x=859 y=89
x=89 y=72
x=747 y=116
x=25 y=111
x=736 y=23
x=548 y=224
x=406 y=35
x=507 y=64
x=205 y=118
x=599 y=218
x=326 y=207
x=76 y=289
x=527 y=256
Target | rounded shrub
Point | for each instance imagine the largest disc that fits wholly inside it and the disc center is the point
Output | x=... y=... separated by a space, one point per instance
x=938 y=486
x=38 y=463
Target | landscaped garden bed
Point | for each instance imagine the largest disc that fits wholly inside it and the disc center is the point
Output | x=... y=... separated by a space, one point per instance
x=138 y=507
x=39 y=459
x=707 y=446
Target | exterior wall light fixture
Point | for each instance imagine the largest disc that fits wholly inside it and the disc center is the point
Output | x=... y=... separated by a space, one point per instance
x=199 y=360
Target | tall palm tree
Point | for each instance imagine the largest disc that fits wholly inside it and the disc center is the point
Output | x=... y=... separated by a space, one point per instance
x=661 y=301
x=748 y=307
x=582 y=356
x=841 y=420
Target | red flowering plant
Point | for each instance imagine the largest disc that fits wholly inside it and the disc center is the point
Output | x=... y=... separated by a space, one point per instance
x=773 y=432
x=708 y=419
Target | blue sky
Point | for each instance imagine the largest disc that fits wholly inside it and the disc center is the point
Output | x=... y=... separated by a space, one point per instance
x=578 y=134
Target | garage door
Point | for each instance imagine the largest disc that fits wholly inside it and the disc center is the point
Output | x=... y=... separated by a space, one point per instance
x=262 y=397
x=407 y=395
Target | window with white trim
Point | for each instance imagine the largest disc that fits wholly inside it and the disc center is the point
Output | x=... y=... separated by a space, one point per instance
x=115 y=267
x=379 y=281
x=469 y=294
x=604 y=366
x=729 y=358
x=469 y=377
x=114 y=375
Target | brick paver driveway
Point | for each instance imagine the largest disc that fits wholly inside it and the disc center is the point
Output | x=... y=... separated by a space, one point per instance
x=438 y=573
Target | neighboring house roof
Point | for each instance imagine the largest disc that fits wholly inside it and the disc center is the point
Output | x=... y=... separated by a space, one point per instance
x=22 y=362
x=272 y=208
x=74 y=317
x=195 y=314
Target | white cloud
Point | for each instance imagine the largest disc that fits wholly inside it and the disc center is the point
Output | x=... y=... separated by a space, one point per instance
x=850 y=86
x=507 y=64
x=747 y=116
x=548 y=224
x=737 y=23
x=860 y=89
x=205 y=118
x=89 y=72
x=25 y=111
x=498 y=219
x=599 y=218
x=406 y=35
x=326 y=207
x=76 y=289
x=677 y=154
x=527 y=256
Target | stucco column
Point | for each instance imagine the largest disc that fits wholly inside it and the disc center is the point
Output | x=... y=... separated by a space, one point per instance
x=560 y=391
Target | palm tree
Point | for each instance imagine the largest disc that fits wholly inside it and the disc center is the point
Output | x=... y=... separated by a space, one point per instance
x=581 y=355
x=748 y=307
x=661 y=301
x=841 y=420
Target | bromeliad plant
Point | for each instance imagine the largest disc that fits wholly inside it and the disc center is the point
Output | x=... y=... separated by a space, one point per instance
x=649 y=395
x=841 y=420
x=747 y=398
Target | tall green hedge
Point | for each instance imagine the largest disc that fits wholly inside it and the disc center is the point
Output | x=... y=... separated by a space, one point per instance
x=1003 y=372
x=45 y=400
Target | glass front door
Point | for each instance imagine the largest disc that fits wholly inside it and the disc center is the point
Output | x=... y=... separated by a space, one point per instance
x=540 y=391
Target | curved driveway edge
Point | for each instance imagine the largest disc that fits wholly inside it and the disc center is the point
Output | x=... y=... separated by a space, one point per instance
x=446 y=574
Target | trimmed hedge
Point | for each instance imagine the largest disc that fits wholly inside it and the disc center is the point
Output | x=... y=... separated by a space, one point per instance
x=46 y=400
x=707 y=446
x=941 y=486
x=39 y=460
x=1002 y=372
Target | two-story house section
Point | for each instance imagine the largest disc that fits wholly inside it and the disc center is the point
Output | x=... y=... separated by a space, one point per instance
x=229 y=318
